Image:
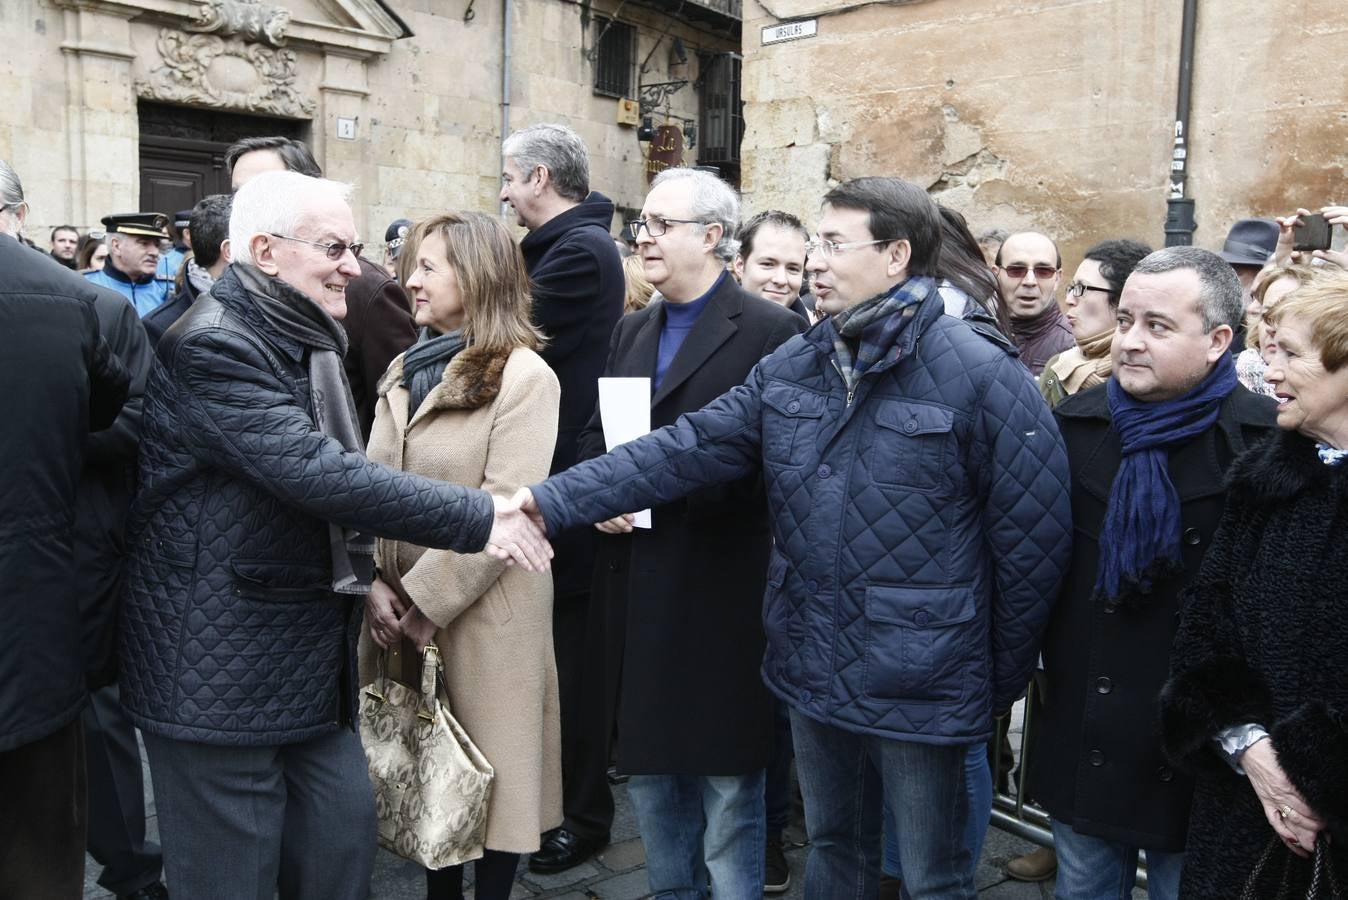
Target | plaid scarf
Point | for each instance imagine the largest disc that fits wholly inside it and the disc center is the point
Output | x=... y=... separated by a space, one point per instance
x=873 y=327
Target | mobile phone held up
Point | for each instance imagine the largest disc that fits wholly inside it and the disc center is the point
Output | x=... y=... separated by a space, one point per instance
x=1312 y=234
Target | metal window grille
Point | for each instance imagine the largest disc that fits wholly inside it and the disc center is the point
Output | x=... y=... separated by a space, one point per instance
x=615 y=58
x=722 y=110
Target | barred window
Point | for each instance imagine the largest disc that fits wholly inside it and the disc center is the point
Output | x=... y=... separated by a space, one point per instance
x=722 y=111
x=614 y=58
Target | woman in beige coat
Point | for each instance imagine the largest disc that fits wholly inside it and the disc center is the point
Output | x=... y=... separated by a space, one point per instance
x=472 y=403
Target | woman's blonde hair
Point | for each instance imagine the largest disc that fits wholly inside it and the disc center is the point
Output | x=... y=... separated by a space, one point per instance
x=1302 y=275
x=493 y=283
x=639 y=290
x=1323 y=303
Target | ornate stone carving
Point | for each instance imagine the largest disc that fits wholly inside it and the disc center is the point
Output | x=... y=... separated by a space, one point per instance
x=251 y=19
x=208 y=70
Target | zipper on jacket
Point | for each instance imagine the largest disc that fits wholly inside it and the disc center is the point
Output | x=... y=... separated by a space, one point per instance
x=852 y=391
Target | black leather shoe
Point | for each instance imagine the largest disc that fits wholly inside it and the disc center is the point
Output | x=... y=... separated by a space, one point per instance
x=563 y=850
x=153 y=891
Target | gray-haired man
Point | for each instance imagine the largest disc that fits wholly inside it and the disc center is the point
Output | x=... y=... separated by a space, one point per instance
x=252 y=538
x=578 y=296
x=684 y=636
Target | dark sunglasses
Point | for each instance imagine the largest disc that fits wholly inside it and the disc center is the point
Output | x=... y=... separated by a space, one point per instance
x=1018 y=271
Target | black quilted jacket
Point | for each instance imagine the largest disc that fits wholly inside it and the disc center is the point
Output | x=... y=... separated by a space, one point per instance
x=230 y=631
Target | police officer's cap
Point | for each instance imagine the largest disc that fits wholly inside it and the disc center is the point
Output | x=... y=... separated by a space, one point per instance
x=144 y=224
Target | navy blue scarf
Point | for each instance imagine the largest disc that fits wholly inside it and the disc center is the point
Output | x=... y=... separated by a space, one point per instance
x=1140 y=540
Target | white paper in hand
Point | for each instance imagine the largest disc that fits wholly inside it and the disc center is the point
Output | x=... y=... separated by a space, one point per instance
x=625 y=410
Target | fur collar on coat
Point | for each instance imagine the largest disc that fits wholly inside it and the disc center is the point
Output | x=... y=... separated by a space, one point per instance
x=471 y=380
x=1283 y=467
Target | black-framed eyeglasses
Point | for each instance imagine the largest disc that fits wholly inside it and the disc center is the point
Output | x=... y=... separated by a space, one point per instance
x=1079 y=288
x=333 y=251
x=656 y=225
x=1018 y=271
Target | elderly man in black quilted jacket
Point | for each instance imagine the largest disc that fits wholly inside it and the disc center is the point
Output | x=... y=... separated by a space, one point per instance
x=252 y=541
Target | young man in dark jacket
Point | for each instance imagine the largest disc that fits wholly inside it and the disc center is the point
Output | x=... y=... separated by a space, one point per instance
x=918 y=492
x=578 y=293
x=61 y=382
x=209 y=224
x=1149 y=450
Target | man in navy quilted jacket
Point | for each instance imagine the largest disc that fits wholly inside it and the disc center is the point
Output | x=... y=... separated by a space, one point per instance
x=919 y=494
x=251 y=553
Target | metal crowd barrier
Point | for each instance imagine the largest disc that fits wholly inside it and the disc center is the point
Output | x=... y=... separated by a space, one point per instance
x=1013 y=813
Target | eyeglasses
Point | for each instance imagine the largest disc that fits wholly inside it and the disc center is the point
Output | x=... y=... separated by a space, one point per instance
x=657 y=225
x=1018 y=271
x=1079 y=288
x=333 y=251
x=833 y=248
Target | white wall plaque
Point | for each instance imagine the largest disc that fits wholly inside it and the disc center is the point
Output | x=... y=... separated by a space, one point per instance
x=790 y=31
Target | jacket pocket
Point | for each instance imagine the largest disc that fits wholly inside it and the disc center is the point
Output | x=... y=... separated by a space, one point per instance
x=917 y=642
x=791 y=417
x=912 y=447
x=280 y=581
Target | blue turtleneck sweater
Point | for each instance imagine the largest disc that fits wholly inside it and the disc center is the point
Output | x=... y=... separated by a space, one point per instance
x=679 y=320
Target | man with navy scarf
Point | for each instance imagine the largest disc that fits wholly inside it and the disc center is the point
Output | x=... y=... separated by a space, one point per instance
x=917 y=491
x=1149 y=451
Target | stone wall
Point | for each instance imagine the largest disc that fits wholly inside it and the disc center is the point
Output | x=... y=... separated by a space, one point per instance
x=1051 y=114
x=427 y=107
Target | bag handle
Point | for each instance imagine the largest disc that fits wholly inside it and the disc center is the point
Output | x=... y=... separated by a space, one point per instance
x=430 y=677
x=1323 y=872
x=375 y=691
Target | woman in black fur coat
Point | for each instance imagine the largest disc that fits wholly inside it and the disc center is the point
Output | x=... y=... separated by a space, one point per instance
x=1257 y=701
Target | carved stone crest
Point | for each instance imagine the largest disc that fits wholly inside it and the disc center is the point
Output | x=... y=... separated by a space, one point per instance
x=252 y=20
x=208 y=70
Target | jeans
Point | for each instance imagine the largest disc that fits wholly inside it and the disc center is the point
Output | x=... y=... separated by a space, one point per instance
x=777 y=791
x=845 y=776
x=978 y=779
x=239 y=823
x=1092 y=868
x=700 y=826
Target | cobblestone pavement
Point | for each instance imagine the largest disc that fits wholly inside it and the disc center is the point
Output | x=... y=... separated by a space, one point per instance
x=618 y=872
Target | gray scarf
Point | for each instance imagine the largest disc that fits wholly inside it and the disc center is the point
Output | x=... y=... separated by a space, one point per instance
x=424 y=364
x=304 y=321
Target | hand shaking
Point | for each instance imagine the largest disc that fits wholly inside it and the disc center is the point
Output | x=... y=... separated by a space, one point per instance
x=518 y=533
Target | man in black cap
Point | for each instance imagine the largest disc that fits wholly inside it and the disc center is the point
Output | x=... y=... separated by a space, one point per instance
x=1249 y=244
x=394 y=238
x=133 y=255
x=170 y=262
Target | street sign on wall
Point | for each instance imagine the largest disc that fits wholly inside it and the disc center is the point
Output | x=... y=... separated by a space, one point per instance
x=790 y=31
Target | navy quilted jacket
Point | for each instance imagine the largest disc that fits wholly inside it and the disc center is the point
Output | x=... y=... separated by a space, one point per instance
x=921 y=530
x=230 y=631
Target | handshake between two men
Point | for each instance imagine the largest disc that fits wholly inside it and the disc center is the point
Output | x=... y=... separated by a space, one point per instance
x=519 y=534
x=518 y=537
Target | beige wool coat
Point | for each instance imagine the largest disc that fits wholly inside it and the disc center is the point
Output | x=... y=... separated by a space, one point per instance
x=491 y=423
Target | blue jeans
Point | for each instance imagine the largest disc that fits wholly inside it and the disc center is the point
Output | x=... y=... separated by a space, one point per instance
x=844 y=777
x=239 y=823
x=777 y=792
x=978 y=780
x=696 y=827
x=1092 y=868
